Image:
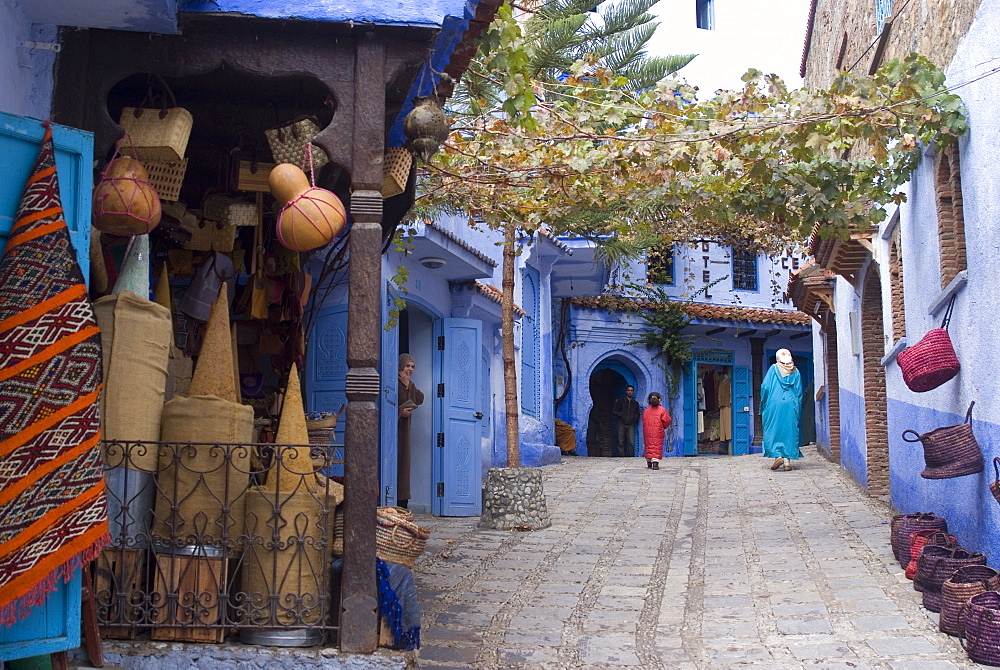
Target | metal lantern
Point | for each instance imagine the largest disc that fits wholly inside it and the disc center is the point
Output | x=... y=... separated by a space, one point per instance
x=426 y=126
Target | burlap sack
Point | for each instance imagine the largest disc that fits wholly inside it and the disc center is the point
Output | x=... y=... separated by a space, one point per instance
x=180 y=369
x=293 y=565
x=203 y=482
x=135 y=336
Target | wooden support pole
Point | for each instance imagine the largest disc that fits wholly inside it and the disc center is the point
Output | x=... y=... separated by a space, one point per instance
x=359 y=617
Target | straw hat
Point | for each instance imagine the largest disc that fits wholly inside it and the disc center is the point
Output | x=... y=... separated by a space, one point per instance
x=213 y=375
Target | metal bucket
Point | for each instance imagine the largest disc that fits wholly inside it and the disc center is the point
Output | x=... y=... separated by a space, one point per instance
x=282 y=637
x=130 y=506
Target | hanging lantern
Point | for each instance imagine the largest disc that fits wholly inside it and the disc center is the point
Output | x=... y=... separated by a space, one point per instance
x=311 y=216
x=124 y=201
x=426 y=126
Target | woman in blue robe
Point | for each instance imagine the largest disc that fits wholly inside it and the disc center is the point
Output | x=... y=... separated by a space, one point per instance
x=781 y=407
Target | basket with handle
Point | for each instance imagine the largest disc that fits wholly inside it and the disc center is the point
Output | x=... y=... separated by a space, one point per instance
x=937 y=564
x=906 y=525
x=958 y=589
x=950 y=451
x=995 y=484
x=982 y=628
x=922 y=538
x=931 y=361
x=397 y=538
x=158 y=134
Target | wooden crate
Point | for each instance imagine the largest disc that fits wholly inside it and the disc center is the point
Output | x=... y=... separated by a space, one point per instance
x=119 y=574
x=189 y=580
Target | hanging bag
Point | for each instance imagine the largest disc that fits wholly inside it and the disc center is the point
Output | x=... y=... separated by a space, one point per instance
x=931 y=361
x=995 y=484
x=288 y=142
x=158 y=134
x=950 y=451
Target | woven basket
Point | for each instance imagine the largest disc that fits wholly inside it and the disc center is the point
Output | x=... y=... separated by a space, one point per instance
x=950 y=451
x=230 y=211
x=937 y=564
x=930 y=362
x=395 y=171
x=922 y=538
x=959 y=589
x=931 y=600
x=320 y=436
x=982 y=628
x=209 y=235
x=995 y=484
x=908 y=524
x=397 y=538
x=337 y=545
x=288 y=142
x=158 y=134
x=166 y=176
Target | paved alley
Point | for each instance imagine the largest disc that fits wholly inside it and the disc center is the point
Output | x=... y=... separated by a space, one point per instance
x=707 y=563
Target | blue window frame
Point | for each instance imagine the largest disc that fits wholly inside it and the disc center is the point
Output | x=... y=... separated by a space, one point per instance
x=883 y=10
x=660 y=264
x=744 y=270
x=705 y=14
x=530 y=342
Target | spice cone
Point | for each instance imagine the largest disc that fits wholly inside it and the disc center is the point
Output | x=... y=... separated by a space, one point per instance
x=292 y=430
x=213 y=375
x=134 y=273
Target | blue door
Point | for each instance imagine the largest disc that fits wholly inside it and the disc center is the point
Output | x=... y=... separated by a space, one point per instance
x=741 y=411
x=326 y=373
x=689 y=381
x=388 y=411
x=54 y=625
x=457 y=469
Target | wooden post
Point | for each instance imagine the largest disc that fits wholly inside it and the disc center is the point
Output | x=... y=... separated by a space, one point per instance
x=507 y=339
x=359 y=616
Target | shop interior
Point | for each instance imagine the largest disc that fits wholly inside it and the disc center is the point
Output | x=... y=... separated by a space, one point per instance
x=715 y=411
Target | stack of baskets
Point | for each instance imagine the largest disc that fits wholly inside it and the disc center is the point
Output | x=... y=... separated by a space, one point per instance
x=397 y=538
x=321 y=430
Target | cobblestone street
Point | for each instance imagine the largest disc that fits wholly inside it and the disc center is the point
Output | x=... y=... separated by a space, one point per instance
x=706 y=563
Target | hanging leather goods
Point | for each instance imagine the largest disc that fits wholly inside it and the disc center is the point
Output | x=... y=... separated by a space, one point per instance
x=931 y=361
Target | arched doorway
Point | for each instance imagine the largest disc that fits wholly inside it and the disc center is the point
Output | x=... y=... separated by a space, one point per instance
x=608 y=383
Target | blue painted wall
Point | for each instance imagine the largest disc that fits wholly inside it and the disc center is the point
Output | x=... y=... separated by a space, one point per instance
x=853 y=445
x=393 y=12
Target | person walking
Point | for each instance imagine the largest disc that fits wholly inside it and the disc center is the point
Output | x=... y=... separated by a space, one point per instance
x=781 y=408
x=627 y=412
x=655 y=421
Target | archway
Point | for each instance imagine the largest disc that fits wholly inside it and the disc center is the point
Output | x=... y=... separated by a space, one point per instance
x=605 y=386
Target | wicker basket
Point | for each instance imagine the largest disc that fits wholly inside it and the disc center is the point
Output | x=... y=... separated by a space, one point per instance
x=166 y=176
x=158 y=134
x=982 y=628
x=936 y=564
x=395 y=171
x=908 y=524
x=959 y=589
x=922 y=538
x=337 y=544
x=230 y=211
x=397 y=538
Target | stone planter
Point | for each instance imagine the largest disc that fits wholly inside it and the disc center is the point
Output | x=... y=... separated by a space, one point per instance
x=513 y=500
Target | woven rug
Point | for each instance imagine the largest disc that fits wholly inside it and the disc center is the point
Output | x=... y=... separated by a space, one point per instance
x=53 y=516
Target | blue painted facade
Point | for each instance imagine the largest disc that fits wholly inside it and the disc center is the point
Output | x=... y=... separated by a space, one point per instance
x=599 y=340
x=965 y=502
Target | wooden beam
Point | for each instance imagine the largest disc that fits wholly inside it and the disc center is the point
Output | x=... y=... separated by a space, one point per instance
x=796 y=336
x=359 y=587
x=714 y=331
x=772 y=333
x=746 y=333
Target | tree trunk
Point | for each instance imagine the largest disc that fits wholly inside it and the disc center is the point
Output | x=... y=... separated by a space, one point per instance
x=507 y=338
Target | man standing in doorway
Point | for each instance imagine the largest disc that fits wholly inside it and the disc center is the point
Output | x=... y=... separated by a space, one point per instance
x=627 y=412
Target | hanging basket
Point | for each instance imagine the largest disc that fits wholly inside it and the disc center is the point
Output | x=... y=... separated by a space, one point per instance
x=397 y=538
x=950 y=451
x=166 y=177
x=932 y=361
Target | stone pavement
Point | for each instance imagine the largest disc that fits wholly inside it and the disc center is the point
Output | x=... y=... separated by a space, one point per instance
x=706 y=563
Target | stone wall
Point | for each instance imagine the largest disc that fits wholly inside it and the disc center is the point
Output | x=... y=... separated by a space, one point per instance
x=844 y=34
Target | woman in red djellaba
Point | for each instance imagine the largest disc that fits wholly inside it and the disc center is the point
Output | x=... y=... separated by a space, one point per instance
x=655 y=420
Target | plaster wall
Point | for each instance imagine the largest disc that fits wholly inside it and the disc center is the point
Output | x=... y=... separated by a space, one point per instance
x=965 y=501
x=25 y=73
x=692 y=263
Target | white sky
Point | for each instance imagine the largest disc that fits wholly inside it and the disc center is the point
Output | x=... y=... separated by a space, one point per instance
x=763 y=34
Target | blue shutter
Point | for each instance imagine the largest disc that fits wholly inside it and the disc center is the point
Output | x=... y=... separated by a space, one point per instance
x=458 y=457
x=388 y=411
x=690 y=409
x=326 y=372
x=741 y=418
x=530 y=343
x=55 y=624
x=486 y=396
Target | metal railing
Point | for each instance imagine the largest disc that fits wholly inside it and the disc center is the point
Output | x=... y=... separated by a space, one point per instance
x=211 y=539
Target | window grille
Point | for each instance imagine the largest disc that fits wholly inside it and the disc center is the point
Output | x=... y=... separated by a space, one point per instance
x=883 y=10
x=744 y=270
x=660 y=264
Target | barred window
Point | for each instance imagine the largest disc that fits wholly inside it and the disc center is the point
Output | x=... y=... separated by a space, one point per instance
x=744 y=270
x=660 y=264
x=883 y=10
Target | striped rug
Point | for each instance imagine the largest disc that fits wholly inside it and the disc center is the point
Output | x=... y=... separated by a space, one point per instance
x=53 y=516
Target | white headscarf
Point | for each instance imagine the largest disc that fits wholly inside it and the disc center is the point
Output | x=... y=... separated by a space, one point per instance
x=785 y=364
